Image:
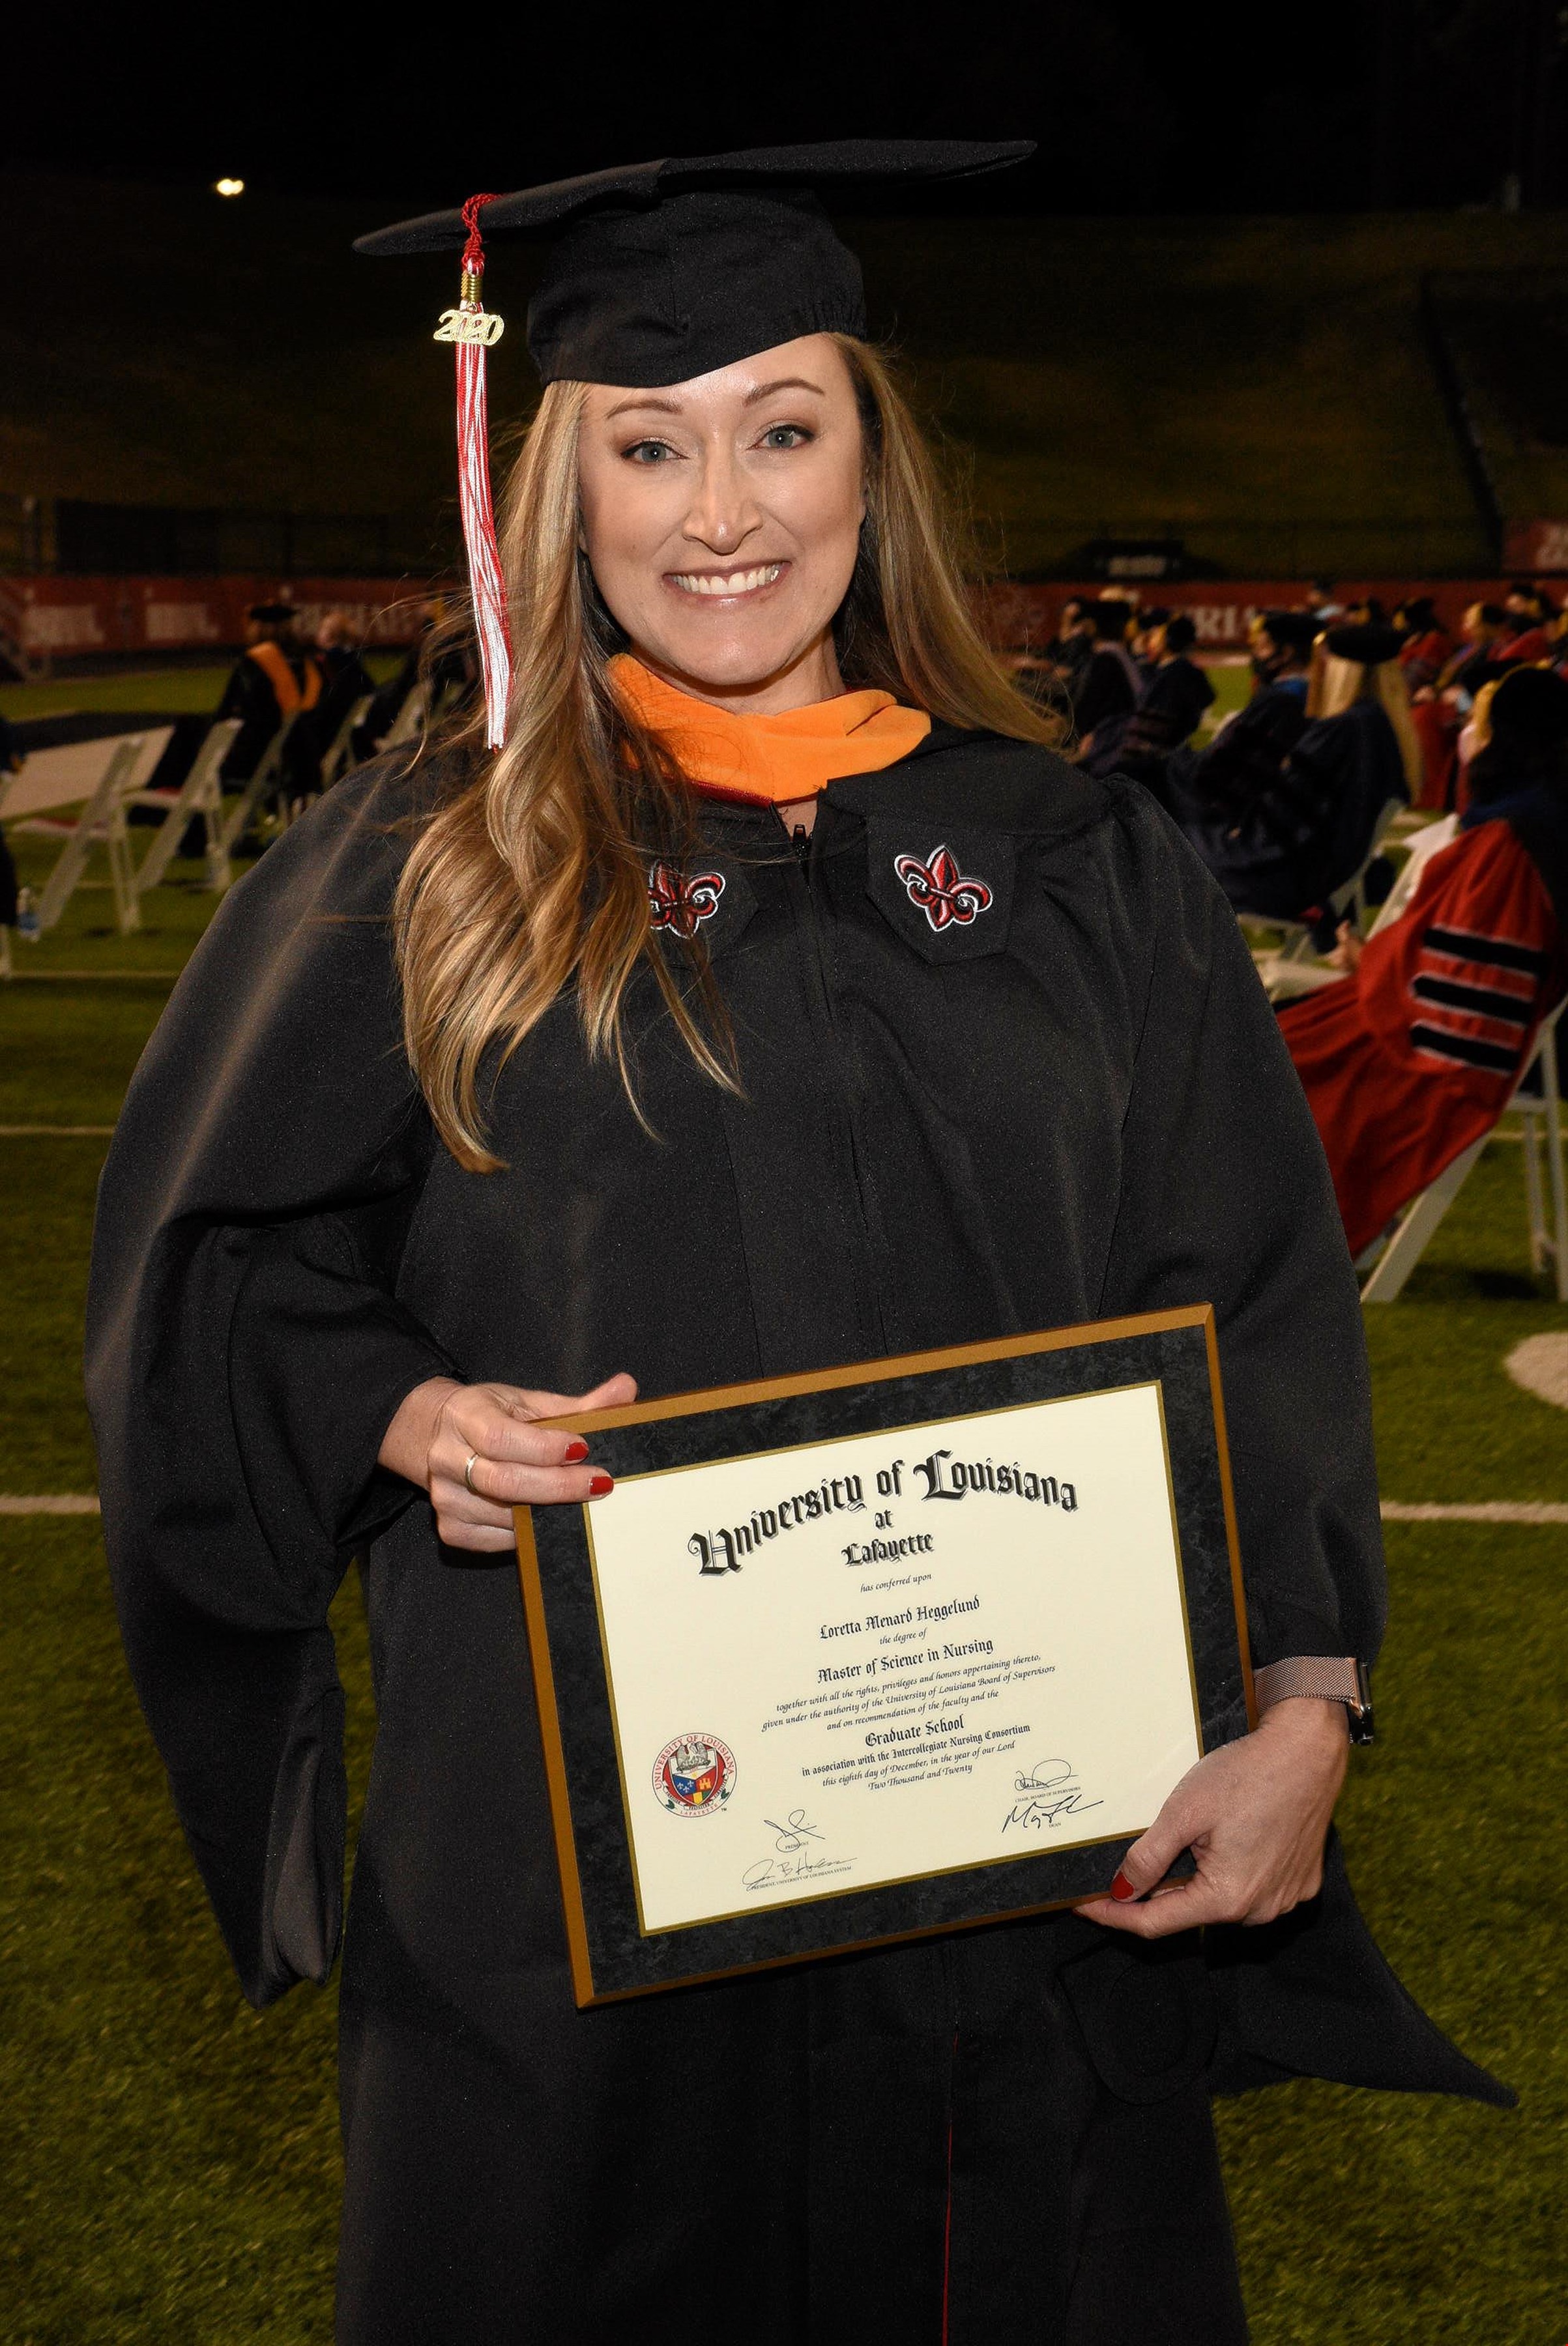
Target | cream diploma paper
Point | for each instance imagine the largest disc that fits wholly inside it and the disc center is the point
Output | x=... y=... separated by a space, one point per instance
x=905 y=1653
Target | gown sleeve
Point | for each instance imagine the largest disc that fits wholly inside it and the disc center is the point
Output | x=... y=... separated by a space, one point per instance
x=1227 y=1200
x=245 y=1354
x=1461 y=981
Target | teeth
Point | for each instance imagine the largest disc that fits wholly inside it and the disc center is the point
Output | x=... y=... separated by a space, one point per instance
x=738 y=582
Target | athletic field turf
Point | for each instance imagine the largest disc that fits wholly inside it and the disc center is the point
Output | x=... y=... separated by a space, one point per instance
x=168 y=2162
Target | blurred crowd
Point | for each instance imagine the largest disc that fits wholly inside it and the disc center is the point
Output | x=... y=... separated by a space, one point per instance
x=308 y=702
x=1351 y=710
x=1412 y=1032
x=1126 y=683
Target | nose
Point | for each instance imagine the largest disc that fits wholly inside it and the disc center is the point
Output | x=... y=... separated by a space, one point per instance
x=723 y=513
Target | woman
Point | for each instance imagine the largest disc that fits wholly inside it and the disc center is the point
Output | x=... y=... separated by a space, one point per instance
x=629 y=1054
x=1417 y=1052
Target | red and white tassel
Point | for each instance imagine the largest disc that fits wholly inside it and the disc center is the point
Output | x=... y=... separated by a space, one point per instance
x=472 y=329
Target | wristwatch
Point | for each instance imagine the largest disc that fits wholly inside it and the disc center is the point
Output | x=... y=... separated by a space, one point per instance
x=1323 y=1678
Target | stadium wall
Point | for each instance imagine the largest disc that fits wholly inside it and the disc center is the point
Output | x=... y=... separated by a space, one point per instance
x=52 y=618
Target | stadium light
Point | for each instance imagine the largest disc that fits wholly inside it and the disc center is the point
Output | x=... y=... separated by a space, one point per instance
x=229 y=187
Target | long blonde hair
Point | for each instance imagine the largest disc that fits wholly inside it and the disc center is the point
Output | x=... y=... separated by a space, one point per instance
x=1335 y=683
x=530 y=875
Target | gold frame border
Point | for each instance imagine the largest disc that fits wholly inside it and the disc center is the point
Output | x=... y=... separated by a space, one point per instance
x=761 y=1389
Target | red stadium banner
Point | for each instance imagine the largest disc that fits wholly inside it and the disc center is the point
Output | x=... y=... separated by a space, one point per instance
x=71 y=619
x=1533 y=547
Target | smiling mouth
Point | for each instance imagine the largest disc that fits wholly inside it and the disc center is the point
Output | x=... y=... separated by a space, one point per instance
x=728 y=583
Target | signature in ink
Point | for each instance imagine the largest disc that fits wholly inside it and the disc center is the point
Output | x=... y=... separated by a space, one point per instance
x=793 y=1859
x=1046 y=1794
x=792 y=1837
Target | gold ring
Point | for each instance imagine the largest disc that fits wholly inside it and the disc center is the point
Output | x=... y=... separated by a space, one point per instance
x=468 y=1474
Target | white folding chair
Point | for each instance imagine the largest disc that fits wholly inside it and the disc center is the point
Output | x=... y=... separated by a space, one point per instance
x=200 y=794
x=335 y=763
x=102 y=822
x=1421 y=846
x=409 y=722
x=267 y=772
x=1538 y=1099
x=1293 y=968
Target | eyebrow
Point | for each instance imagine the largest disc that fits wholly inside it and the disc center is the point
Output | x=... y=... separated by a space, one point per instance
x=661 y=407
x=785 y=382
x=649 y=403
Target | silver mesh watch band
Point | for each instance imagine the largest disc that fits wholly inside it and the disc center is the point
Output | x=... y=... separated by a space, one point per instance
x=1323 y=1678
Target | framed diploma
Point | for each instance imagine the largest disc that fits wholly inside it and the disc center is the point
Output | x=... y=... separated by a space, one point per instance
x=888 y=1650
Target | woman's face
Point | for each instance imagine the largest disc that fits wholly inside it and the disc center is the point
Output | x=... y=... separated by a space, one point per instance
x=722 y=519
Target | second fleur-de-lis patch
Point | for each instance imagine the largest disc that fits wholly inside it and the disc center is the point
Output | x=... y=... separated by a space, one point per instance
x=947 y=891
x=943 y=891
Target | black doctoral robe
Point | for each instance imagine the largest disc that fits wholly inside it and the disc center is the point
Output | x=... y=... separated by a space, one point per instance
x=249 y=695
x=1076 y=1106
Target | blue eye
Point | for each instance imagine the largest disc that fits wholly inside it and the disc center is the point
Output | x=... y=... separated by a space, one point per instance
x=785 y=435
x=647 y=451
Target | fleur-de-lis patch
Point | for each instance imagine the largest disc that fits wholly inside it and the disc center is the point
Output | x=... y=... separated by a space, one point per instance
x=680 y=902
x=945 y=895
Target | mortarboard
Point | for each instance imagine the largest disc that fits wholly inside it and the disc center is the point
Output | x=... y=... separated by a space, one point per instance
x=1366 y=642
x=658 y=272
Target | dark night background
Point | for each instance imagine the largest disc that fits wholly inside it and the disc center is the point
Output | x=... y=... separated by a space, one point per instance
x=1205 y=311
x=1222 y=108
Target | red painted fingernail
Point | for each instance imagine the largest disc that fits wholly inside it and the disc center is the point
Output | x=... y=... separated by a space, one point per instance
x=576 y=1448
x=1121 y=1889
x=599 y=1485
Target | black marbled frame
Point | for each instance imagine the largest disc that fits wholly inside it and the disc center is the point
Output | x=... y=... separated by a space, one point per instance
x=611 y=1957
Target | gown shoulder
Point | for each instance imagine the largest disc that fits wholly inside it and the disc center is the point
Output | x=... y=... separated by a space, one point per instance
x=996 y=783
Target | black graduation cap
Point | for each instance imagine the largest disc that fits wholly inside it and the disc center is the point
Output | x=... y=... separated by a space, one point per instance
x=1366 y=642
x=668 y=270
x=659 y=271
x=1295 y=631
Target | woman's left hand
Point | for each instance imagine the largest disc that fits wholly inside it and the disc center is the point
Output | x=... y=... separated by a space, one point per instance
x=1254 y=1815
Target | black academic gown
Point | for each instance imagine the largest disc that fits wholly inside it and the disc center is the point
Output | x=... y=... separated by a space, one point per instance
x=248 y=695
x=1074 y=1107
x=1174 y=697
x=1282 y=809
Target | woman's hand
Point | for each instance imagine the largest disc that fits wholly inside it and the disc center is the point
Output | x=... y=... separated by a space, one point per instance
x=442 y=1426
x=1254 y=1815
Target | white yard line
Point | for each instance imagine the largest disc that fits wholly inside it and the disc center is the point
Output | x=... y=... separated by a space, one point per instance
x=68 y=1505
x=54 y=1131
x=1484 y=1511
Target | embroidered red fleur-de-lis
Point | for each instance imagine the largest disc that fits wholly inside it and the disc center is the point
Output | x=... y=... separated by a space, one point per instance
x=680 y=902
x=943 y=891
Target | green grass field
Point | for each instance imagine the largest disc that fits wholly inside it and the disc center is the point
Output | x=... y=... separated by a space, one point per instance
x=170 y=691
x=168 y=2165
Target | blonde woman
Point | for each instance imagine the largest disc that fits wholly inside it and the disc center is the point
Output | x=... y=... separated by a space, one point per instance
x=774 y=997
x=1362 y=663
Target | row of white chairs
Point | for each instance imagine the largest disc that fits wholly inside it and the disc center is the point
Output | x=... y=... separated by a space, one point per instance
x=103 y=811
